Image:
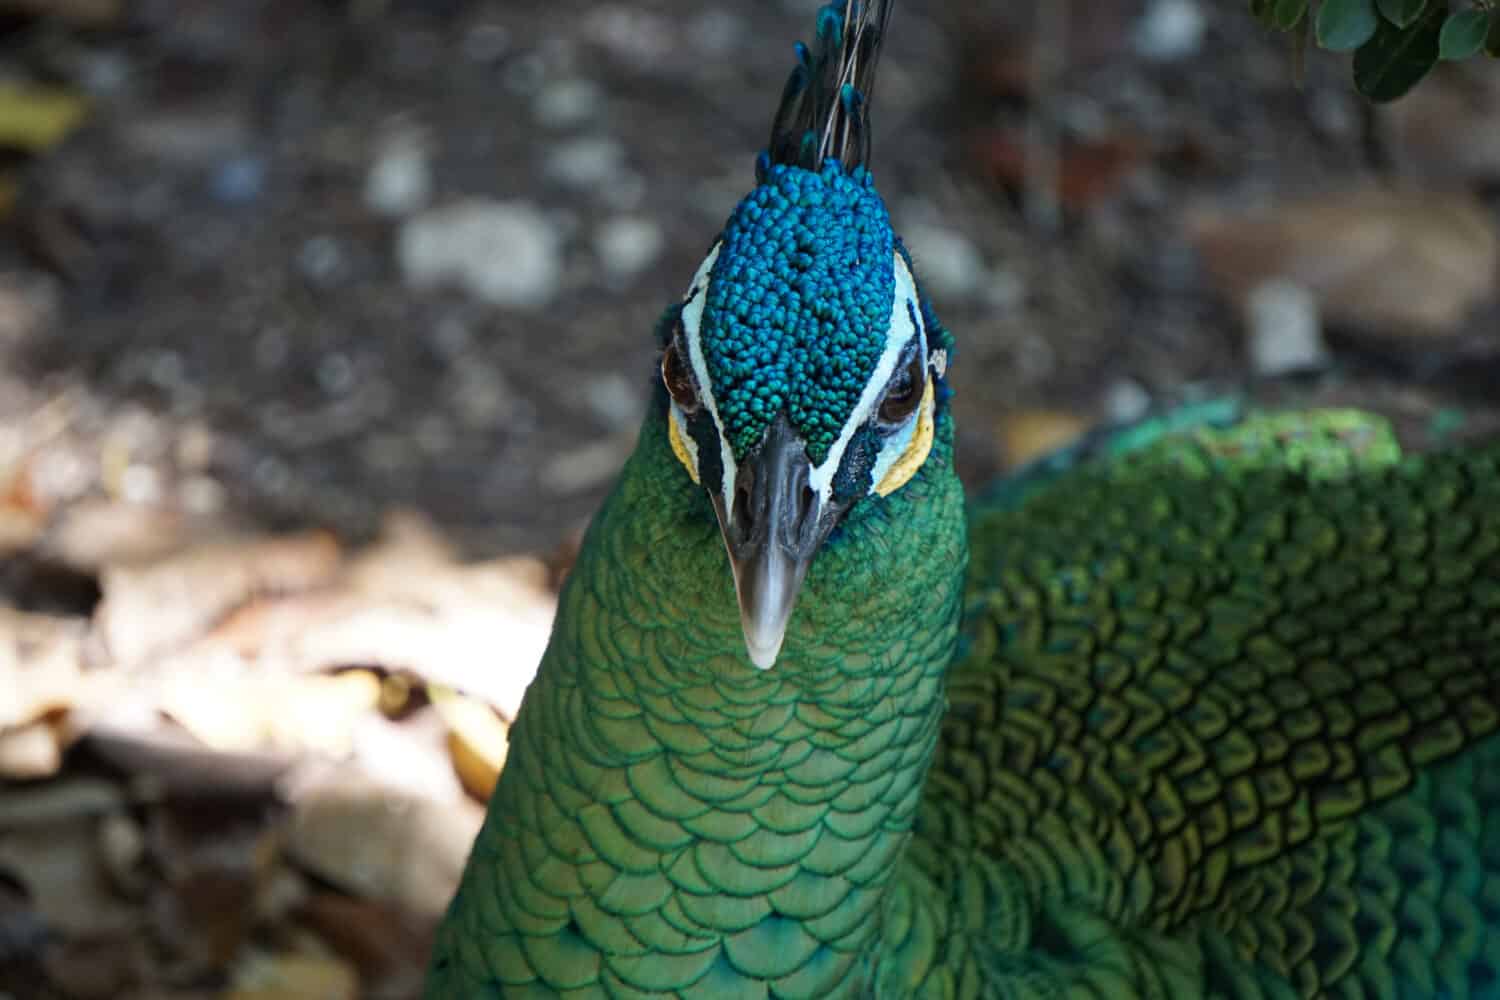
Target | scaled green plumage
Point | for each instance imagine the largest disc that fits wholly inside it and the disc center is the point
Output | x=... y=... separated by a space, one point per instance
x=1222 y=728
x=1220 y=720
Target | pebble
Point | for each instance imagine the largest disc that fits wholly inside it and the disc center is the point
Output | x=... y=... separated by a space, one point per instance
x=239 y=180
x=615 y=399
x=321 y=260
x=400 y=178
x=947 y=263
x=628 y=245
x=1285 y=331
x=1170 y=30
x=591 y=161
x=508 y=254
x=1125 y=400
x=1005 y=290
x=567 y=103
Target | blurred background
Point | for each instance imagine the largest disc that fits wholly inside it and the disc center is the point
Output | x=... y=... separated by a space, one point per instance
x=325 y=324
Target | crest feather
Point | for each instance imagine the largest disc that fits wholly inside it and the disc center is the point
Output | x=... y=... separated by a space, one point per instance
x=824 y=113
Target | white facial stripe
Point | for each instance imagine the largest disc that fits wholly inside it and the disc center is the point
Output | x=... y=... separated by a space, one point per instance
x=692 y=320
x=897 y=336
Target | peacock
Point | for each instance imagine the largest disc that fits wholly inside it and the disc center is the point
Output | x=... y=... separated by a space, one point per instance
x=1202 y=707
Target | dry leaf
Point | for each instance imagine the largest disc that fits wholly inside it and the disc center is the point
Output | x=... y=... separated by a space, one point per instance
x=149 y=610
x=481 y=630
x=293 y=977
x=367 y=840
x=41 y=667
x=59 y=866
x=477 y=738
x=1030 y=434
x=163 y=760
x=19 y=528
x=34 y=119
x=1444 y=130
x=59 y=802
x=29 y=752
x=217 y=860
x=387 y=946
x=246 y=713
x=98 y=967
x=92 y=534
x=1388 y=262
x=410 y=756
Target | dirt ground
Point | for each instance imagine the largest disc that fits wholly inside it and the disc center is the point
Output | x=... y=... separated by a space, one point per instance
x=309 y=274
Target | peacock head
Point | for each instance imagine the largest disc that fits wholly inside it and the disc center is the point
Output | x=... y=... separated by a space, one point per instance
x=802 y=365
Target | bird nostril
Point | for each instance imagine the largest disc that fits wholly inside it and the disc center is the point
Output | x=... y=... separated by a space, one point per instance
x=743 y=517
x=807 y=502
x=806 y=522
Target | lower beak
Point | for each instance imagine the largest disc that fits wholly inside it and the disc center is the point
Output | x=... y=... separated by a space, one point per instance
x=773 y=532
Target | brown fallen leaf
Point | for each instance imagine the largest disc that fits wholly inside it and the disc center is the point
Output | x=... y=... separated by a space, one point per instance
x=487 y=607
x=41 y=667
x=387 y=946
x=242 y=713
x=216 y=859
x=1444 y=131
x=293 y=977
x=34 y=119
x=59 y=802
x=98 y=966
x=92 y=534
x=30 y=752
x=369 y=840
x=59 y=865
x=19 y=528
x=478 y=740
x=1029 y=434
x=162 y=760
x=149 y=610
x=1387 y=262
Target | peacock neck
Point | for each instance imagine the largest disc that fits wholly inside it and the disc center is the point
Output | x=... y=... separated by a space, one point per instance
x=672 y=818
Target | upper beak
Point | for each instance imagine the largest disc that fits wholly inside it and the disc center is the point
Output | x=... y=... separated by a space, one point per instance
x=773 y=532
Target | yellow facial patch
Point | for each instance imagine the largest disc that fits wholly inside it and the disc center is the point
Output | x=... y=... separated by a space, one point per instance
x=916 y=451
x=679 y=446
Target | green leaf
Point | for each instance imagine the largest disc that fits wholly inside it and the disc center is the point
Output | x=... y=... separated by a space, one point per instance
x=1345 y=25
x=1464 y=34
x=1402 y=13
x=1262 y=11
x=1288 y=13
x=1492 y=42
x=1392 y=62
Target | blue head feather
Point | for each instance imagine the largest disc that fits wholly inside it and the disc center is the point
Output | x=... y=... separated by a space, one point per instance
x=799 y=304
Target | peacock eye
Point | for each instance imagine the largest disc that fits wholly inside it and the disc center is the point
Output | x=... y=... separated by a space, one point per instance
x=904 y=391
x=679 y=379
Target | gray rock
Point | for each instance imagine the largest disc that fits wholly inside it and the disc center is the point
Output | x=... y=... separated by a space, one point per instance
x=1170 y=30
x=946 y=261
x=567 y=103
x=592 y=161
x=1125 y=400
x=505 y=253
x=400 y=178
x=628 y=245
x=1285 y=331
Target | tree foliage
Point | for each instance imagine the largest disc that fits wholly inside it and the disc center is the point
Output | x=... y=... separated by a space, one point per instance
x=1395 y=42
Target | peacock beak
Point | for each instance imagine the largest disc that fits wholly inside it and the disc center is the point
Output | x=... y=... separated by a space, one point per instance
x=773 y=532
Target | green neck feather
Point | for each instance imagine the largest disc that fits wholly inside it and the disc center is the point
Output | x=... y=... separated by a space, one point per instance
x=671 y=818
